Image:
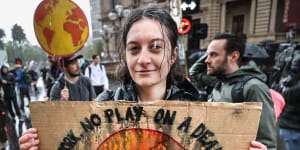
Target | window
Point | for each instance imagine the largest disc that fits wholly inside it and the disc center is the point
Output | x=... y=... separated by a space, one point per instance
x=238 y=24
x=160 y=1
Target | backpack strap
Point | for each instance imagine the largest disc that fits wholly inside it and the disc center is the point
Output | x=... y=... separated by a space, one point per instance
x=237 y=91
x=101 y=66
x=90 y=71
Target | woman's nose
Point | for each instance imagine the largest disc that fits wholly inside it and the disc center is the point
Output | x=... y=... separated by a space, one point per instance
x=144 y=58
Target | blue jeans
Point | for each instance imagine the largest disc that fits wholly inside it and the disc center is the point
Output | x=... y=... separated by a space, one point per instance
x=291 y=138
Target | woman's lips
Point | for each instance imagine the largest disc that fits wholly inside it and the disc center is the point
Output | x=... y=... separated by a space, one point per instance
x=144 y=71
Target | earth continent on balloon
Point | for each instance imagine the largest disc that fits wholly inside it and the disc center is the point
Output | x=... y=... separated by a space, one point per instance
x=60 y=27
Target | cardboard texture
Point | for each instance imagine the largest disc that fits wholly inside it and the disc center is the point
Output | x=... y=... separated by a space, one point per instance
x=172 y=125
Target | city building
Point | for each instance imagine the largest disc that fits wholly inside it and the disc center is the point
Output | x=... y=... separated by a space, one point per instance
x=108 y=17
x=259 y=20
x=95 y=16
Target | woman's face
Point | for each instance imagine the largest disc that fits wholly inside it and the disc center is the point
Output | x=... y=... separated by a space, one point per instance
x=148 y=53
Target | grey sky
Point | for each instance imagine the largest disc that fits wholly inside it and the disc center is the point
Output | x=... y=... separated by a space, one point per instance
x=22 y=11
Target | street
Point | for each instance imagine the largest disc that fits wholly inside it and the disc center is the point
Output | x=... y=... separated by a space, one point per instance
x=17 y=126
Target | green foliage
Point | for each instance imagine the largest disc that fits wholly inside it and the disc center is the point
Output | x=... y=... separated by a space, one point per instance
x=12 y=51
x=2 y=35
x=97 y=48
x=89 y=49
x=18 y=34
x=34 y=52
x=31 y=52
x=21 y=48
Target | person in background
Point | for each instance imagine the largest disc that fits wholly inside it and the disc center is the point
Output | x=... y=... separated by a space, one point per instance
x=149 y=66
x=289 y=122
x=289 y=35
x=84 y=66
x=97 y=74
x=71 y=85
x=224 y=54
x=10 y=97
x=34 y=76
x=53 y=73
x=23 y=84
x=3 y=137
x=44 y=71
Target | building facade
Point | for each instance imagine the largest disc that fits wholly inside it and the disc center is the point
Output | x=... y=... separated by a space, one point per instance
x=95 y=16
x=258 y=19
x=111 y=25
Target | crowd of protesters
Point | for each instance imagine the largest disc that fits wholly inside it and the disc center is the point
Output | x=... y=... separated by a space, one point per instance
x=63 y=79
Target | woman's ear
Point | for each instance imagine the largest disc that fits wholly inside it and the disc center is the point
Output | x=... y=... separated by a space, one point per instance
x=174 y=55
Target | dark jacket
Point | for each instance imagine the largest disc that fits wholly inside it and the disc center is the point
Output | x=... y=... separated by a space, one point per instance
x=254 y=91
x=198 y=74
x=290 y=116
x=183 y=91
x=9 y=87
x=3 y=136
x=34 y=75
x=52 y=76
x=82 y=90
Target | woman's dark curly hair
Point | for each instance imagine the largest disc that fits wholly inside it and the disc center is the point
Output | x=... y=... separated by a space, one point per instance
x=168 y=26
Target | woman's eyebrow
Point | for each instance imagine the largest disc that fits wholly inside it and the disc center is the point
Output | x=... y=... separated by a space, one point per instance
x=132 y=42
x=135 y=42
x=157 y=39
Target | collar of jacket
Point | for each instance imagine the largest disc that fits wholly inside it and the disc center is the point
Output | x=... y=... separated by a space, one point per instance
x=173 y=91
x=251 y=68
x=226 y=77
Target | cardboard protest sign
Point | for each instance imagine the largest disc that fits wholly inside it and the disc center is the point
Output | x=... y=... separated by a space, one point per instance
x=172 y=125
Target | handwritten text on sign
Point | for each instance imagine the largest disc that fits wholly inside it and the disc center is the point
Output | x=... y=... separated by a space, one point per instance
x=165 y=124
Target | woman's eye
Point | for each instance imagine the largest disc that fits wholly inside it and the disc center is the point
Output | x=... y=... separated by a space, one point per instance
x=133 y=49
x=156 y=47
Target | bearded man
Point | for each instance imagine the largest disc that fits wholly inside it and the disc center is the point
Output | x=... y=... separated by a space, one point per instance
x=71 y=85
x=224 y=55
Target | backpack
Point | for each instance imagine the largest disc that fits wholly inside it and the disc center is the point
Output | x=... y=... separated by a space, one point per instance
x=26 y=77
x=237 y=92
x=34 y=76
x=90 y=69
x=238 y=96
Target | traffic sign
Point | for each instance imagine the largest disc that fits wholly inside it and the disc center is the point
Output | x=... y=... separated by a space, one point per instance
x=184 y=26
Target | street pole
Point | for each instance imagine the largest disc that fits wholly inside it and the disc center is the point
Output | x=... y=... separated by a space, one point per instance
x=107 y=45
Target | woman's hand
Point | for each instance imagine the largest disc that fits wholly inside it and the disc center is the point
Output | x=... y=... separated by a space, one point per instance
x=29 y=140
x=257 y=146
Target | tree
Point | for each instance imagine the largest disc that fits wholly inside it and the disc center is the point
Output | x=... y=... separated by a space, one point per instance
x=11 y=48
x=18 y=34
x=96 y=48
x=19 y=37
x=34 y=52
x=2 y=35
x=90 y=49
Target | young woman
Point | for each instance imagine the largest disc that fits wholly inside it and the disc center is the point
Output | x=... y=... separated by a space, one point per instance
x=149 y=66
